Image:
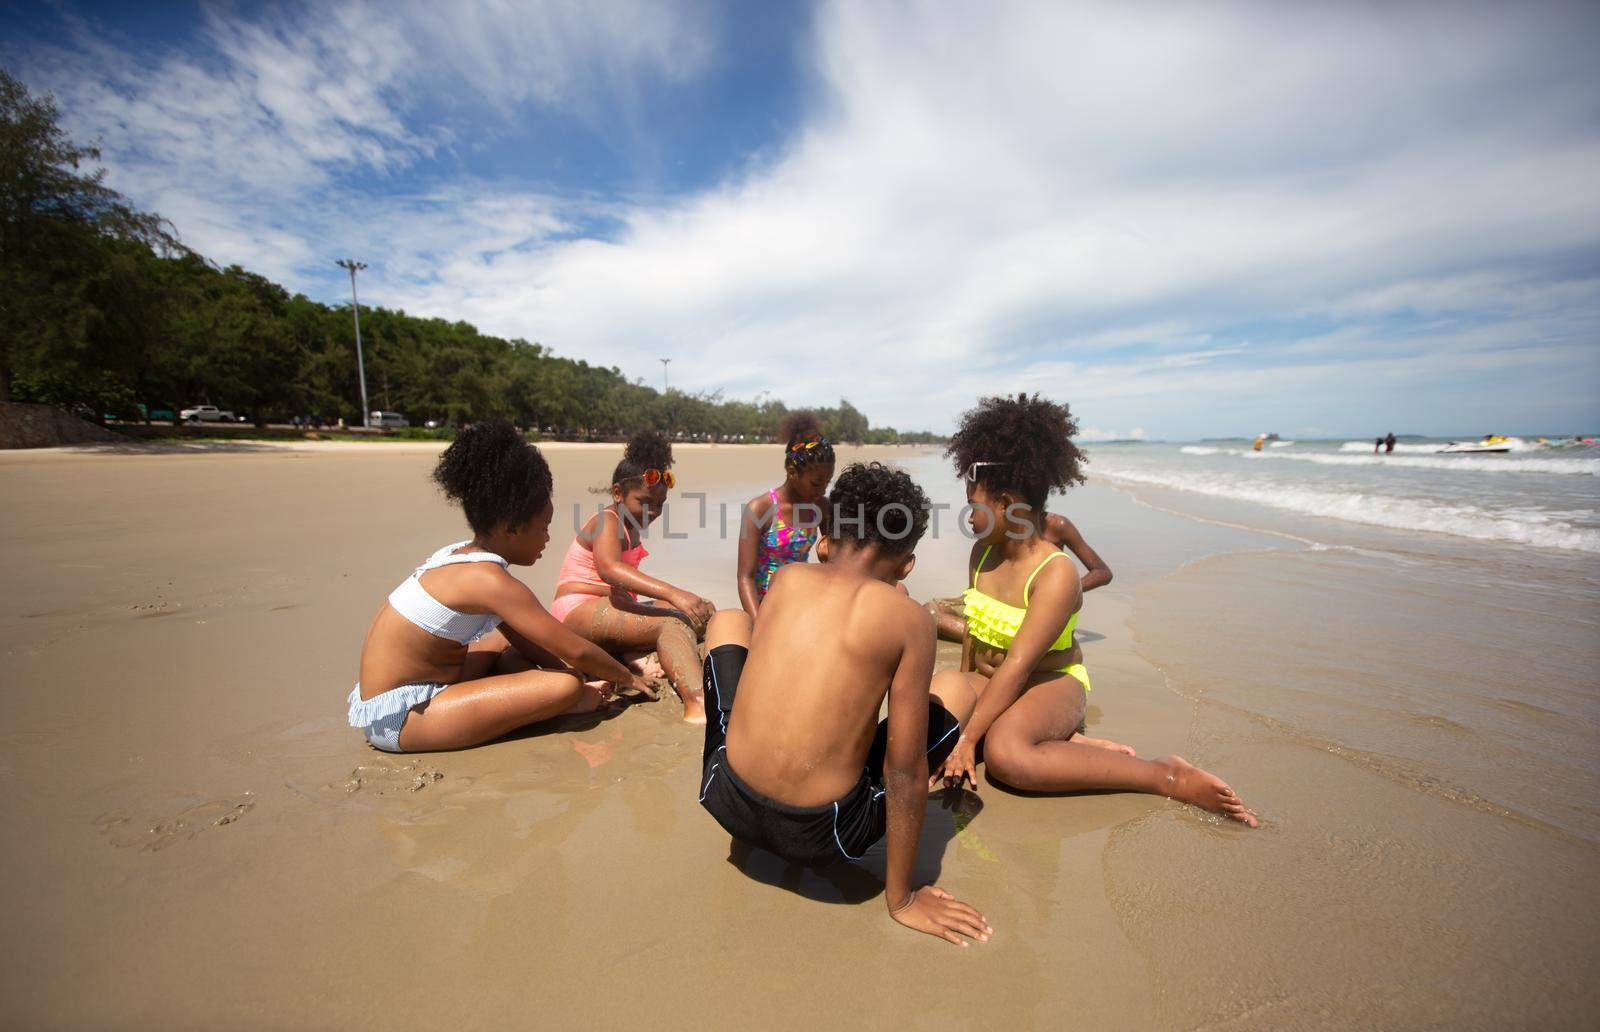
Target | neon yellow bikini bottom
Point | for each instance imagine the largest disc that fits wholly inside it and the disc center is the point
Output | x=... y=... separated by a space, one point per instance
x=1078 y=672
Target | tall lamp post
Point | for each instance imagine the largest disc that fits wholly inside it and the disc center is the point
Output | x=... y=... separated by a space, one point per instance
x=664 y=363
x=355 y=306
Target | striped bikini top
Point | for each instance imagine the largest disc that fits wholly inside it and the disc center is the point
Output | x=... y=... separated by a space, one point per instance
x=995 y=623
x=412 y=601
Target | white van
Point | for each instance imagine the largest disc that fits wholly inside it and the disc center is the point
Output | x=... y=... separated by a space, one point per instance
x=389 y=421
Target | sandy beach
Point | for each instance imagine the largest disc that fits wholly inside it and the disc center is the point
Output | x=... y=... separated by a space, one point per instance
x=194 y=837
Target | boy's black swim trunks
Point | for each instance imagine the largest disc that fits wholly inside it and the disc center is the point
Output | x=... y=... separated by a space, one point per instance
x=841 y=830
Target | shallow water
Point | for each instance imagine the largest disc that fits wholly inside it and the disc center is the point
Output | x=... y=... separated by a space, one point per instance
x=1460 y=660
x=1543 y=497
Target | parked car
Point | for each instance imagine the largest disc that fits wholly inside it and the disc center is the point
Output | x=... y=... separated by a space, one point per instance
x=205 y=414
x=389 y=421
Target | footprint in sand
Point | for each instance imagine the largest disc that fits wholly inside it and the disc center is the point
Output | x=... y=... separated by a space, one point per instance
x=124 y=832
x=386 y=780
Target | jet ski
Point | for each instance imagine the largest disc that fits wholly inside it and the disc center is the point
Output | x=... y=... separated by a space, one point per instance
x=1492 y=444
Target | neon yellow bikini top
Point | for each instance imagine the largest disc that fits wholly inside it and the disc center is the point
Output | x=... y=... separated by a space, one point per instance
x=995 y=623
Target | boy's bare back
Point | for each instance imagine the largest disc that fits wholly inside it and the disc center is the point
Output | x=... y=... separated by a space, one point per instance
x=808 y=703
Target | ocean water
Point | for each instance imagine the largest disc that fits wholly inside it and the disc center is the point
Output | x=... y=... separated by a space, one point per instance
x=1541 y=497
x=1433 y=619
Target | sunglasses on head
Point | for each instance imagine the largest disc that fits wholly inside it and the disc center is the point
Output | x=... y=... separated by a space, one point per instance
x=972 y=474
x=652 y=477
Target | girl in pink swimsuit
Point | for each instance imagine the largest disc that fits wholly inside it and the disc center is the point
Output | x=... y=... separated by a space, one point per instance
x=599 y=588
x=780 y=526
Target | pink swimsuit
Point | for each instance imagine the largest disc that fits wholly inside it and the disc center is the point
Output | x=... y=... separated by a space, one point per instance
x=578 y=568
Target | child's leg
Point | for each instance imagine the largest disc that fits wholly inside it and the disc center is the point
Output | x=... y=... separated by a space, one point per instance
x=1028 y=748
x=728 y=627
x=949 y=625
x=473 y=712
x=622 y=630
x=956 y=692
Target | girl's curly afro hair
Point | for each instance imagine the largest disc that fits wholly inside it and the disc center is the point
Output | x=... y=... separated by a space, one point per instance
x=495 y=475
x=647 y=449
x=798 y=429
x=1031 y=440
x=871 y=502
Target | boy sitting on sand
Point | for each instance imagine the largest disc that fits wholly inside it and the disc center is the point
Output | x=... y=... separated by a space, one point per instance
x=796 y=760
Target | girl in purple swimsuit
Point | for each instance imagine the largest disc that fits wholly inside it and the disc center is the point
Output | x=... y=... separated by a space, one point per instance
x=780 y=527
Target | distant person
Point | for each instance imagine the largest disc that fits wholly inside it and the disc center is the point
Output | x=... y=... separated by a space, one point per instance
x=1059 y=532
x=780 y=527
x=796 y=760
x=1377 y=445
x=462 y=652
x=1388 y=444
x=1022 y=673
x=597 y=594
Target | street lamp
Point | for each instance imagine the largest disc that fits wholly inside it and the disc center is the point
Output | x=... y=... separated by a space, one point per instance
x=664 y=363
x=355 y=306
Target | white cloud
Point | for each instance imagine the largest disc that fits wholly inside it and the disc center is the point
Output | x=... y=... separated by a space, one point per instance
x=1085 y=199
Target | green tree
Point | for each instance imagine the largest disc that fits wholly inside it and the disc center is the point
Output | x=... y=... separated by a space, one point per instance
x=56 y=221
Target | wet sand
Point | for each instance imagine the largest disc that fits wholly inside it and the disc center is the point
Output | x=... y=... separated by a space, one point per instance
x=195 y=838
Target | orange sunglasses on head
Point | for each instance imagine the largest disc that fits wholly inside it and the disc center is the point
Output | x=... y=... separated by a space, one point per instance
x=652 y=477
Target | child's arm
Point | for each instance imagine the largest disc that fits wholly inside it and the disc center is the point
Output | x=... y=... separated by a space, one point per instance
x=752 y=524
x=905 y=770
x=1062 y=533
x=1056 y=596
x=523 y=618
x=968 y=646
x=607 y=548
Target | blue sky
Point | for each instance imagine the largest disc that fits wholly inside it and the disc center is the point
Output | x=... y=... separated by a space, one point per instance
x=1186 y=220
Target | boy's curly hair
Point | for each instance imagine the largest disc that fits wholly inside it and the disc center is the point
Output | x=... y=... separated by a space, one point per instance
x=647 y=449
x=1030 y=440
x=871 y=502
x=797 y=430
x=495 y=475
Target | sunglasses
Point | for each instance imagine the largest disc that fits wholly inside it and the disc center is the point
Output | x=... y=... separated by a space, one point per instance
x=652 y=477
x=971 y=475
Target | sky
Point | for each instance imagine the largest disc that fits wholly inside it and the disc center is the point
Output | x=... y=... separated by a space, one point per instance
x=1185 y=220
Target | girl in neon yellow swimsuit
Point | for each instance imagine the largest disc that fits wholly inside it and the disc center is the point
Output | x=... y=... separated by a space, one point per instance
x=1020 y=661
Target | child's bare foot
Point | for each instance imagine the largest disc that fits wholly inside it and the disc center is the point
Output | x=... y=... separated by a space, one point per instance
x=1189 y=784
x=1103 y=743
x=694 y=708
x=596 y=694
x=648 y=666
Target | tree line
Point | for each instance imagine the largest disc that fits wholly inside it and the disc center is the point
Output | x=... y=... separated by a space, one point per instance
x=105 y=312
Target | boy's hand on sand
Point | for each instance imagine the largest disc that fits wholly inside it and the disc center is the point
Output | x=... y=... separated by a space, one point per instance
x=960 y=767
x=933 y=910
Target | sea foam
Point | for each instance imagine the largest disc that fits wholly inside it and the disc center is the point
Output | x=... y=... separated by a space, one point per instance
x=1452 y=463
x=1542 y=530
